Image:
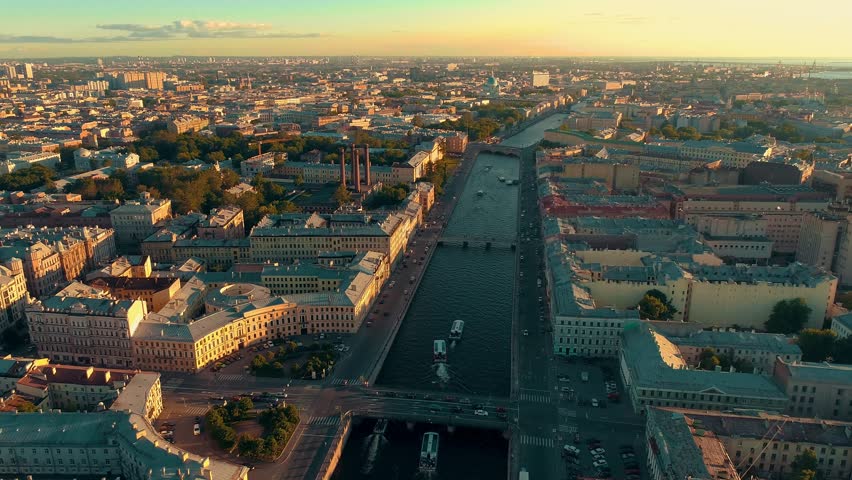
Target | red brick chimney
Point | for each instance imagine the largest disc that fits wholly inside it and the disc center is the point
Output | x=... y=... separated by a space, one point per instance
x=367 y=165
x=343 y=166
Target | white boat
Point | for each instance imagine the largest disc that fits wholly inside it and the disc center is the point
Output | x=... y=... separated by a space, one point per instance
x=439 y=351
x=501 y=178
x=457 y=330
x=429 y=452
x=480 y=193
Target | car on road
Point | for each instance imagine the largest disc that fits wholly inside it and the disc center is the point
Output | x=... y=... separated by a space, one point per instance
x=411 y=395
x=502 y=415
x=457 y=409
x=571 y=449
x=500 y=409
x=526 y=333
x=465 y=401
x=595 y=402
x=196 y=429
x=481 y=413
x=369 y=323
x=450 y=398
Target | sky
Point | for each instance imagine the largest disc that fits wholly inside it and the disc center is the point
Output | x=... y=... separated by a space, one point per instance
x=655 y=28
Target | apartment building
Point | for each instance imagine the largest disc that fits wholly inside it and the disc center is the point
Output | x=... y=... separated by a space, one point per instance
x=736 y=237
x=135 y=221
x=757 y=349
x=223 y=223
x=734 y=154
x=14 y=297
x=258 y=165
x=86 y=331
x=105 y=444
x=656 y=374
x=782 y=206
x=78 y=388
x=761 y=443
x=677 y=449
x=320 y=299
x=156 y=292
x=301 y=236
x=822 y=390
x=186 y=123
x=218 y=254
x=842 y=325
x=706 y=294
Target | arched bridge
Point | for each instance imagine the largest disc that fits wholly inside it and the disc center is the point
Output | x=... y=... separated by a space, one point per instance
x=478 y=241
x=475 y=148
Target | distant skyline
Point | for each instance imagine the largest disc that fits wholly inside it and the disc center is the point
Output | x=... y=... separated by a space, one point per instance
x=661 y=28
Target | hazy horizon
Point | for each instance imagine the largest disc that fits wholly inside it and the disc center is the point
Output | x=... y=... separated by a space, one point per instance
x=443 y=28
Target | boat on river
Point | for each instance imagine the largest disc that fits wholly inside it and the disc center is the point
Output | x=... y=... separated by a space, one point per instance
x=429 y=452
x=439 y=351
x=457 y=330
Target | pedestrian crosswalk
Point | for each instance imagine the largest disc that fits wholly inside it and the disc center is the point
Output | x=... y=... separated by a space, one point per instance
x=536 y=441
x=345 y=381
x=194 y=410
x=328 y=421
x=568 y=428
x=232 y=377
x=536 y=397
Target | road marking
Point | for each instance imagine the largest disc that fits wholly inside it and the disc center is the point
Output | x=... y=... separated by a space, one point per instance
x=537 y=398
x=330 y=420
x=536 y=441
x=568 y=428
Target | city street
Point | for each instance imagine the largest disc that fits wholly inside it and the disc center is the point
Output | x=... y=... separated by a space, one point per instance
x=538 y=443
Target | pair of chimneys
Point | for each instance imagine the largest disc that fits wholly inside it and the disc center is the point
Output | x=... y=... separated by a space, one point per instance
x=356 y=166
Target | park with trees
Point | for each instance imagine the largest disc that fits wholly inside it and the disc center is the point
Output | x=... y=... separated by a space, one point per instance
x=294 y=361
x=278 y=422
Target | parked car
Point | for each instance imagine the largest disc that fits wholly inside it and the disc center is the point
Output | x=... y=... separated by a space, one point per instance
x=481 y=413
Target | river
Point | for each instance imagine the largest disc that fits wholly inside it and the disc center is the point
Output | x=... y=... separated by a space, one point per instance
x=471 y=284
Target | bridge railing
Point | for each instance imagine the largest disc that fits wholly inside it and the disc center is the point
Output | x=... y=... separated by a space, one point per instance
x=335 y=450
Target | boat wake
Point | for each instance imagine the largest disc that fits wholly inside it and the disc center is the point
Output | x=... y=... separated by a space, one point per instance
x=443 y=372
x=372 y=445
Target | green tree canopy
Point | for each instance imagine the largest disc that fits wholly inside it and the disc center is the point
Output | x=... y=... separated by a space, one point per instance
x=817 y=345
x=342 y=195
x=655 y=305
x=788 y=316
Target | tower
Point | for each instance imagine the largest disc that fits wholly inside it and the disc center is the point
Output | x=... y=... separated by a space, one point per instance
x=343 y=166
x=367 y=178
x=356 y=170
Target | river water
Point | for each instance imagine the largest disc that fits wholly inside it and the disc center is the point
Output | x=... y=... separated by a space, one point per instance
x=474 y=285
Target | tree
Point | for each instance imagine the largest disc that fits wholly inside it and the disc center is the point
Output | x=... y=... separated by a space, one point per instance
x=788 y=316
x=843 y=350
x=27 y=407
x=651 y=308
x=708 y=359
x=655 y=305
x=804 y=466
x=300 y=180
x=342 y=195
x=816 y=345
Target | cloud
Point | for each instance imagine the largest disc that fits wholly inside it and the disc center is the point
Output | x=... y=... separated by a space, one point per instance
x=179 y=29
x=201 y=29
x=32 y=39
